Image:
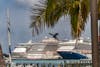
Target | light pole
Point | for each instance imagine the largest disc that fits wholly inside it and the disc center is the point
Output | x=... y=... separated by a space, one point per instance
x=94 y=33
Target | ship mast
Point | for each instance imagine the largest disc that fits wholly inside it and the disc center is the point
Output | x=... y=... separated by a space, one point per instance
x=9 y=34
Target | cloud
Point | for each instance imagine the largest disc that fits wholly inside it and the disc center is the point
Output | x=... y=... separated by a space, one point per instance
x=27 y=2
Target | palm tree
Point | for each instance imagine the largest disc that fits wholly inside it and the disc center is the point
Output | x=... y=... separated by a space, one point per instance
x=2 y=63
x=95 y=15
x=48 y=12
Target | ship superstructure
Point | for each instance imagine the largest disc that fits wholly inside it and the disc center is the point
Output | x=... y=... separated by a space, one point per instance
x=48 y=49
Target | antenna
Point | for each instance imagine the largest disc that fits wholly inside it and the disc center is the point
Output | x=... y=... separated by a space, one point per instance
x=54 y=35
x=9 y=34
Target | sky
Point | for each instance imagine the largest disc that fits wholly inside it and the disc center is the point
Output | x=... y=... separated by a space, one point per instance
x=20 y=21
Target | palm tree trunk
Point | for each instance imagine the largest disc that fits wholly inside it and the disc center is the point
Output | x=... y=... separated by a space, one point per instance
x=76 y=43
x=94 y=34
x=2 y=62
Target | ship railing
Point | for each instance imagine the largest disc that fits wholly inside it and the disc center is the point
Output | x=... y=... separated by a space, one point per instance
x=51 y=63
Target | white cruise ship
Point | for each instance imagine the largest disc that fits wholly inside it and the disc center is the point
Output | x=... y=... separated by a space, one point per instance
x=48 y=48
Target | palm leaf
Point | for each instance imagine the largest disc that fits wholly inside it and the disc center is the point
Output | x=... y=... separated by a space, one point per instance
x=99 y=9
x=50 y=11
x=74 y=11
x=54 y=11
x=85 y=8
x=78 y=16
x=37 y=17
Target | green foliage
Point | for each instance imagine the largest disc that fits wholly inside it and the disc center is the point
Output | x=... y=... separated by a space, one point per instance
x=99 y=9
x=85 y=8
x=49 y=12
x=54 y=11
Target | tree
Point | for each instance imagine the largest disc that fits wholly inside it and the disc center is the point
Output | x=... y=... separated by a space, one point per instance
x=2 y=62
x=48 y=12
x=95 y=15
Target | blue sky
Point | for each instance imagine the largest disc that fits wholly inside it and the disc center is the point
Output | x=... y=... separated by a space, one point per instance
x=20 y=21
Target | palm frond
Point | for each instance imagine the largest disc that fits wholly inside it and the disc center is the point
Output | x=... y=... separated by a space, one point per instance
x=50 y=11
x=37 y=17
x=99 y=9
x=78 y=16
x=73 y=12
x=85 y=9
x=54 y=11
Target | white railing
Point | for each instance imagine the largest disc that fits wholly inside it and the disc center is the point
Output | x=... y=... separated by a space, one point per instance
x=51 y=63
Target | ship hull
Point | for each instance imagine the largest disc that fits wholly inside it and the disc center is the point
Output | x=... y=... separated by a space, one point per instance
x=71 y=55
